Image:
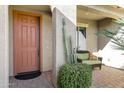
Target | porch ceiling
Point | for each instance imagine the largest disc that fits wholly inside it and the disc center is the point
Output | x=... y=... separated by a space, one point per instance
x=97 y=12
x=84 y=12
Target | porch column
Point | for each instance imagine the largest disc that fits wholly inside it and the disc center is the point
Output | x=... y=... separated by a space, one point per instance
x=68 y=13
x=4 y=52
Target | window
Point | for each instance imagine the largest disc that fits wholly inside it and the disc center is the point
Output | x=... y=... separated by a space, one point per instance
x=81 y=38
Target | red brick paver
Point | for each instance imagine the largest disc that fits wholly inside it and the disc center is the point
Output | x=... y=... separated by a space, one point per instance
x=43 y=81
x=108 y=77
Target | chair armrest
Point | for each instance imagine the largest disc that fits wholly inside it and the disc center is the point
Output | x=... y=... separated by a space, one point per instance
x=93 y=57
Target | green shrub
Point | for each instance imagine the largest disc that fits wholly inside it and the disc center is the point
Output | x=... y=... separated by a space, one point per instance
x=75 y=76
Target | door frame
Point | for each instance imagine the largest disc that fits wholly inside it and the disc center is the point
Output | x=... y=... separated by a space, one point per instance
x=40 y=37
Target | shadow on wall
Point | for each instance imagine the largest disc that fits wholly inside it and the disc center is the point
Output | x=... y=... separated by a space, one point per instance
x=58 y=46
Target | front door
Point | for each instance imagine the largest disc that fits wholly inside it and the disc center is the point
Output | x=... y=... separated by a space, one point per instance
x=26 y=43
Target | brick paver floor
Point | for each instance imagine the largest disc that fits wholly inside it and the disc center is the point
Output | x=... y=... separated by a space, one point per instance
x=43 y=81
x=108 y=77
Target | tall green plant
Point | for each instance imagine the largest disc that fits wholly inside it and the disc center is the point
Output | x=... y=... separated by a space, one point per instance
x=65 y=42
x=117 y=37
x=70 y=54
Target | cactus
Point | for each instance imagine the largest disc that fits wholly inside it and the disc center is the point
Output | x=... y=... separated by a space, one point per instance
x=65 y=41
x=70 y=54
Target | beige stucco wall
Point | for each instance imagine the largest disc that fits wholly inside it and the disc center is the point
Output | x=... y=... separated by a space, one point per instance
x=58 y=47
x=47 y=43
x=67 y=10
x=111 y=56
x=105 y=24
x=94 y=42
x=4 y=57
x=91 y=29
x=47 y=39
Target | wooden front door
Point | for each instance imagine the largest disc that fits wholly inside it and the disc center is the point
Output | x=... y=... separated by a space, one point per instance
x=26 y=43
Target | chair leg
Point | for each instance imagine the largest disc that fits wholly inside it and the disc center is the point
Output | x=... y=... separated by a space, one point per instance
x=100 y=67
x=92 y=67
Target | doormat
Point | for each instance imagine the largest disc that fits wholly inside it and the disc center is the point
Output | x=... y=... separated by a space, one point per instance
x=28 y=75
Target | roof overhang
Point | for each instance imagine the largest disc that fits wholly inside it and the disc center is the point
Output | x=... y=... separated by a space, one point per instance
x=98 y=12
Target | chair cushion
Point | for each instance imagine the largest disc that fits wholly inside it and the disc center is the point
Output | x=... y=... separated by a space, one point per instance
x=91 y=62
x=84 y=56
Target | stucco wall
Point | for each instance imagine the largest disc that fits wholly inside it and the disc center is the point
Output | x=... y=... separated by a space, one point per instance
x=94 y=42
x=68 y=11
x=4 y=46
x=58 y=48
x=47 y=39
x=91 y=29
x=105 y=24
x=47 y=43
x=111 y=57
